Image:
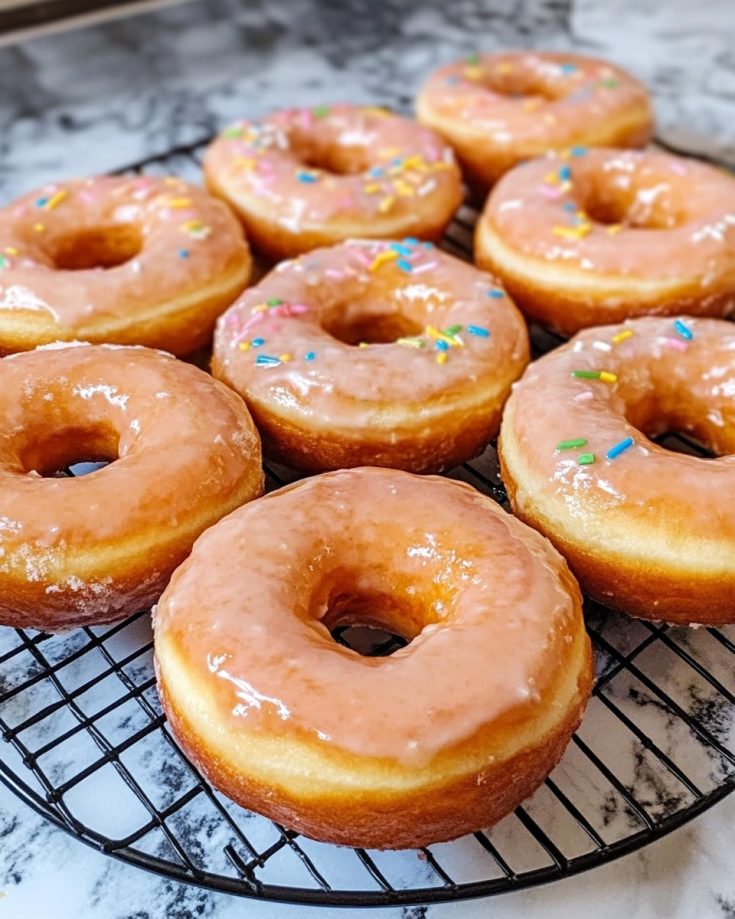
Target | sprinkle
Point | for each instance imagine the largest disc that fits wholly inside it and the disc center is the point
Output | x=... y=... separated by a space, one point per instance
x=676 y=344
x=244 y=346
x=427 y=266
x=39 y=227
x=452 y=329
x=568 y=68
x=4 y=262
x=274 y=301
x=257 y=342
x=683 y=330
x=577 y=151
x=178 y=203
x=12 y=250
x=385 y=256
x=183 y=253
x=401 y=249
x=441 y=357
x=363 y=344
x=441 y=345
x=572 y=232
x=565 y=173
x=41 y=202
x=570 y=206
x=572 y=444
x=284 y=357
x=266 y=360
x=410 y=342
x=478 y=330
x=614 y=229
x=619 y=448
x=433 y=332
x=622 y=336
x=504 y=67
x=309 y=356
x=496 y=293
x=602 y=375
x=403 y=188
x=232 y=132
x=386 y=204
x=586 y=459
x=410 y=240
x=376 y=172
x=303 y=176
x=56 y=199
x=472 y=59
x=473 y=73
x=404 y=265
x=196 y=229
x=610 y=84
x=372 y=188
x=320 y=111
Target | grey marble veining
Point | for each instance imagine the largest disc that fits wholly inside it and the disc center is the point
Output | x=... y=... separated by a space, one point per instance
x=102 y=97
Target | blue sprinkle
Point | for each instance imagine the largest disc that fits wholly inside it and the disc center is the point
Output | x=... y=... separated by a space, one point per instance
x=568 y=68
x=411 y=241
x=376 y=172
x=404 y=265
x=400 y=248
x=41 y=202
x=565 y=173
x=570 y=206
x=495 y=293
x=306 y=177
x=309 y=356
x=683 y=330
x=619 y=448
x=257 y=342
x=183 y=253
x=578 y=151
x=428 y=245
x=396 y=161
x=478 y=330
x=441 y=345
x=265 y=360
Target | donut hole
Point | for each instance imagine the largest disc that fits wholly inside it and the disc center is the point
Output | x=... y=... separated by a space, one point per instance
x=635 y=207
x=371 y=329
x=372 y=623
x=101 y=247
x=73 y=451
x=519 y=84
x=668 y=420
x=329 y=155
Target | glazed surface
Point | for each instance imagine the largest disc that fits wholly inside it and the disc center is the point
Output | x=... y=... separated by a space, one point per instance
x=183 y=452
x=178 y=245
x=335 y=171
x=274 y=345
x=588 y=475
x=502 y=109
x=483 y=655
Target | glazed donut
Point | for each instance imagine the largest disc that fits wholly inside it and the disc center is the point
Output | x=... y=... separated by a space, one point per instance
x=498 y=110
x=373 y=353
x=132 y=260
x=442 y=738
x=605 y=235
x=647 y=531
x=302 y=178
x=88 y=550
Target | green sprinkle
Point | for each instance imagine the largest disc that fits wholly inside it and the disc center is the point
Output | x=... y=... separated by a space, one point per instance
x=586 y=374
x=571 y=444
x=586 y=459
x=274 y=301
x=473 y=59
x=3 y=262
x=232 y=132
x=320 y=111
x=453 y=329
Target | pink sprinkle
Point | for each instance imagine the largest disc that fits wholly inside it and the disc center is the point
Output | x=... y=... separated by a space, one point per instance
x=676 y=344
x=551 y=191
x=363 y=256
x=254 y=320
x=583 y=396
x=427 y=266
x=334 y=273
x=307 y=119
x=679 y=169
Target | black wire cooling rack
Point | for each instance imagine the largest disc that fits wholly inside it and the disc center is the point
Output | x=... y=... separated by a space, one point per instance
x=87 y=746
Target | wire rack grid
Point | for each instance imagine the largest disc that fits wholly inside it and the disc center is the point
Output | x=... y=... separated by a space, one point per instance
x=82 y=724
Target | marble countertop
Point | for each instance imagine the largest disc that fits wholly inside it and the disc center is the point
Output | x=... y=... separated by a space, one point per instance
x=98 y=98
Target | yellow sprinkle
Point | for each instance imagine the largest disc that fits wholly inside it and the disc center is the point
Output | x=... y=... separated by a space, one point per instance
x=504 y=68
x=530 y=104
x=11 y=250
x=452 y=340
x=607 y=377
x=363 y=344
x=385 y=256
x=388 y=152
x=178 y=203
x=376 y=110
x=284 y=357
x=245 y=162
x=441 y=357
x=402 y=187
x=551 y=178
x=414 y=162
x=614 y=228
x=573 y=232
x=473 y=73
x=56 y=199
x=39 y=227
x=244 y=345
x=372 y=187
x=622 y=336
x=171 y=180
x=260 y=308
x=410 y=342
x=386 y=204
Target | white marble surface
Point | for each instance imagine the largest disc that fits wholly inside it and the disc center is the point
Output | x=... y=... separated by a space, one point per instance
x=99 y=98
